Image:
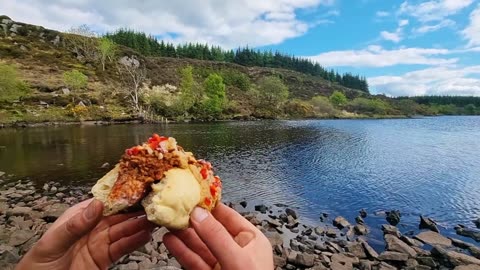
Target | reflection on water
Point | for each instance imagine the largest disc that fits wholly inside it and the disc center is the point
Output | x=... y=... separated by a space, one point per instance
x=429 y=166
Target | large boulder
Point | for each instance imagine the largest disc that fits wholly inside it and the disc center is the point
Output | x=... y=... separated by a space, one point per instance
x=340 y=222
x=393 y=256
x=428 y=223
x=475 y=235
x=393 y=217
x=395 y=244
x=454 y=258
x=433 y=238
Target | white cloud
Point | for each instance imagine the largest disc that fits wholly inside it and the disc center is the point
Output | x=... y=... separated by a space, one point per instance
x=376 y=56
x=433 y=10
x=472 y=32
x=396 y=36
x=430 y=81
x=227 y=23
x=402 y=23
x=382 y=13
x=434 y=27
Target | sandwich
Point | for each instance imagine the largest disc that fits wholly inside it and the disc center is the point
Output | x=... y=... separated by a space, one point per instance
x=163 y=179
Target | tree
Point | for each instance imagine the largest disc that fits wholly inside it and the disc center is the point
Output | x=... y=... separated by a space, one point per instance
x=75 y=80
x=133 y=74
x=11 y=86
x=470 y=109
x=322 y=105
x=216 y=95
x=107 y=50
x=338 y=99
x=82 y=42
x=187 y=96
x=273 y=92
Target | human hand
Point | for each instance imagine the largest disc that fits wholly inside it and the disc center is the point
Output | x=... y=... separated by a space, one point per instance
x=223 y=240
x=83 y=239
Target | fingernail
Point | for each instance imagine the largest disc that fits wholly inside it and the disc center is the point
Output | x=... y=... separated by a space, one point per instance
x=199 y=214
x=91 y=210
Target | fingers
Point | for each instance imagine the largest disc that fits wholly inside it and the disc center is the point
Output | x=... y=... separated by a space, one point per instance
x=129 y=227
x=61 y=239
x=185 y=256
x=215 y=236
x=233 y=221
x=190 y=238
x=128 y=244
x=109 y=221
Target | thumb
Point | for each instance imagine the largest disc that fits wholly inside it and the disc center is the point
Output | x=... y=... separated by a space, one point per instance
x=63 y=237
x=215 y=236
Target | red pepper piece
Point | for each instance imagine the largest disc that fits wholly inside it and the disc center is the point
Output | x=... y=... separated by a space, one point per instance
x=207 y=201
x=204 y=172
x=213 y=190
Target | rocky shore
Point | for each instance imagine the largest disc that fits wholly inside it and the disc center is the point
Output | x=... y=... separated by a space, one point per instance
x=26 y=212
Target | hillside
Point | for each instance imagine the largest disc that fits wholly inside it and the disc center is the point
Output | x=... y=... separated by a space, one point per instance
x=42 y=57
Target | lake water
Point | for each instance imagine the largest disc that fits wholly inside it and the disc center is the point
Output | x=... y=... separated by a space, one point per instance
x=427 y=166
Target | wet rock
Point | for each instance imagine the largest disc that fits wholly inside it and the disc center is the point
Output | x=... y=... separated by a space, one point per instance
x=291 y=212
x=477 y=222
x=395 y=244
x=319 y=230
x=283 y=217
x=19 y=237
x=261 y=208
x=363 y=213
x=307 y=231
x=389 y=229
x=368 y=249
x=393 y=256
x=428 y=223
x=274 y=223
x=291 y=222
x=459 y=243
x=243 y=204
x=356 y=249
x=427 y=260
x=305 y=260
x=410 y=241
x=360 y=229
x=453 y=257
x=475 y=251
x=475 y=235
x=393 y=217
x=433 y=238
x=340 y=222
x=359 y=220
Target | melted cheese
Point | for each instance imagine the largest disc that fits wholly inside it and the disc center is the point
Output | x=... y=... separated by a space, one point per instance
x=173 y=199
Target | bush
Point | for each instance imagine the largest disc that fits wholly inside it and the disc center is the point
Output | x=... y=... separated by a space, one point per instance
x=216 y=95
x=75 y=80
x=273 y=92
x=322 y=106
x=11 y=86
x=338 y=99
x=369 y=106
x=299 y=108
x=237 y=79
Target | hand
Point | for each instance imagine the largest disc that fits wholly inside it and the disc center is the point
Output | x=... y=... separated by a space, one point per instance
x=224 y=239
x=83 y=239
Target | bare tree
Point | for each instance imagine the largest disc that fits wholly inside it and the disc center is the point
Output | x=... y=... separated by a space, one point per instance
x=133 y=75
x=82 y=42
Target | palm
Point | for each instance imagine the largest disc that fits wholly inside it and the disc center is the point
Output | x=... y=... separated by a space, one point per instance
x=105 y=242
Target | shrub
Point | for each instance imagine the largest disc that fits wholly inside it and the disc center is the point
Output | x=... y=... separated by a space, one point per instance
x=11 y=86
x=322 y=106
x=75 y=80
x=273 y=92
x=369 y=106
x=299 y=108
x=237 y=79
x=216 y=95
x=338 y=98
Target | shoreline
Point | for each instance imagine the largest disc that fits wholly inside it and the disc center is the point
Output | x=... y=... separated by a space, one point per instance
x=331 y=243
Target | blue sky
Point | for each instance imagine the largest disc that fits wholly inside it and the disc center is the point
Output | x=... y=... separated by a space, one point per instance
x=403 y=47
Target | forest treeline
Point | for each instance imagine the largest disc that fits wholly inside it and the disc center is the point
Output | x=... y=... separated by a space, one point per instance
x=149 y=46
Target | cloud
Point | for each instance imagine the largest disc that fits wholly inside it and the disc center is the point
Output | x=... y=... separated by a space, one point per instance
x=434 y=27
x=430 y=81
x=382 y=13
x=226 y=23
x=396 y=36
x=376 y=56
x=472 y=32
x=434 y=10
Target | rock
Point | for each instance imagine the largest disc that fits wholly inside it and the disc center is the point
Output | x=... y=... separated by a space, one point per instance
x=475 y=251
x=3 y=207
x=319 y=231
x=279 y=261
x=476 y=222
x=292 y=256
x=459 y=243
x=305 y=260
x=54 y=189
x=274 y=223
x=345 y=259
x=158 y=234
x=363 y=213
x=386 y=266
x=9 y=256
x=433 y=238
x=393 y=217
x=291 y=212
x=81 y=104
x=19 y=211
x=393 y=256
x=411 y=263
x=389 y=229
x=475 y=235
x=359 y=220
x=428 y=223
x=395 y=244
x=19 y=237
x=60 y=195
x=2 y=173
x=173 y=262
x=20 y=222
x=243 y=204
x=65 y=91
x=467 y=267
x=274 y=238
x=128 y=266
x=105 y=165
x=45 y=187
x=453 y=257
x=357 y=249
x=428 y=261
x=261 y=208
x=340 y=222
x=334 y=246
x=360 y=229
x=52 y=212
x=410 y=241
x=369 y=250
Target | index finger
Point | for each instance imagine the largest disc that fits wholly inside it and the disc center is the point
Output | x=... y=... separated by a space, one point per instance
x=232 y=220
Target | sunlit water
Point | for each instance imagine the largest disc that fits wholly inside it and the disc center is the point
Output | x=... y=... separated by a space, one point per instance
x=427 y=166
